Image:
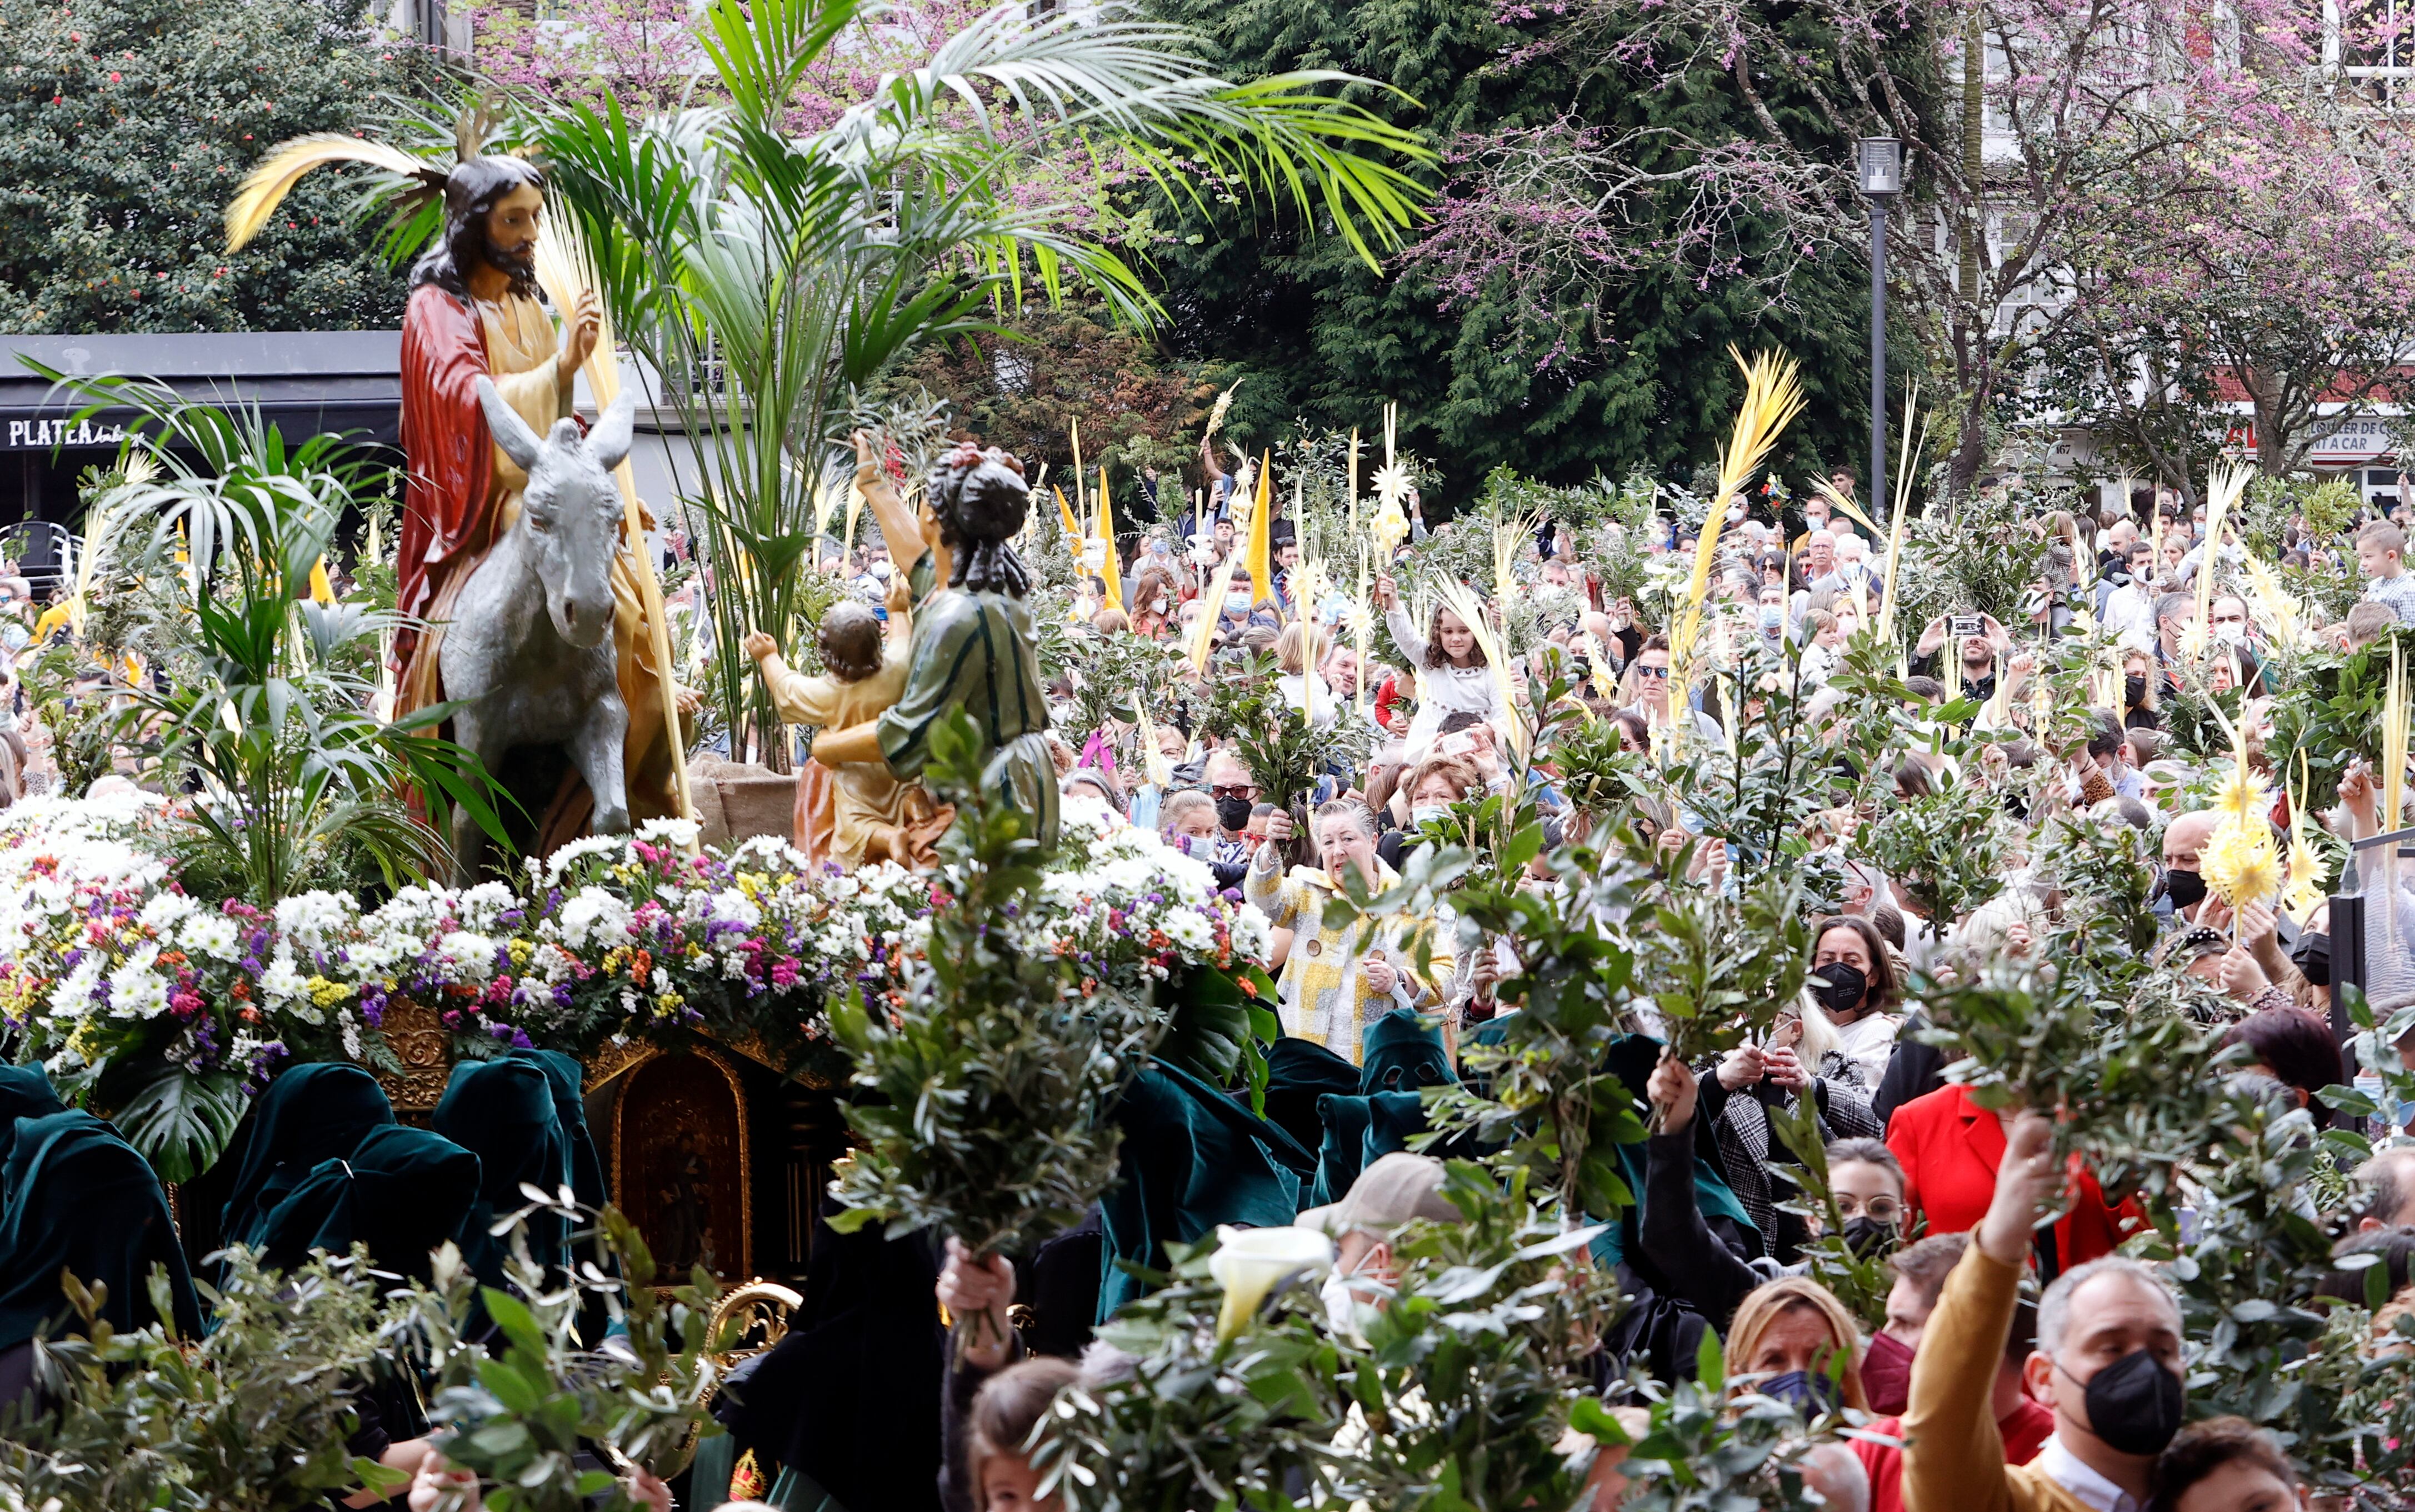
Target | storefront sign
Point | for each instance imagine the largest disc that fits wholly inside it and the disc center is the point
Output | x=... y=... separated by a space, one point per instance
x=40 y=434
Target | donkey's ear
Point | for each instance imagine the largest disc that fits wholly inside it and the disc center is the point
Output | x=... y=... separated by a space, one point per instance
x=512 y=433
x=608 y=442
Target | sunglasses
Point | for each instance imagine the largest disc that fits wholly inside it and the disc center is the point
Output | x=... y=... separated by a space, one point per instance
x=1235 y=790
x=1659 y=672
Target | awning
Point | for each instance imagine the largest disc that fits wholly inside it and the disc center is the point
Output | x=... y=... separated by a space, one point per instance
x=303 y=381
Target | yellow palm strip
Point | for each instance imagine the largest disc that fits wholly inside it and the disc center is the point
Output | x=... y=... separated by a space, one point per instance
x=1773 y=397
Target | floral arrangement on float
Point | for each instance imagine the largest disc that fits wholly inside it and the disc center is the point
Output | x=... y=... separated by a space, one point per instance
x=171 y=1012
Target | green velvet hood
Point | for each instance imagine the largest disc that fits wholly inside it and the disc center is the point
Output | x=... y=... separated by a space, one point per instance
x=585 y=1170
x=1192 y=1158
x=313 y=1113
x=1401 y=1051
x=504 y=1113
x=74 y=1197
x=403 y=1193
x=25 y=1093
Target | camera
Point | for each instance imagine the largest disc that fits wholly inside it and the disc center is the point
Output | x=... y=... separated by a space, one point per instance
x=1963 y=626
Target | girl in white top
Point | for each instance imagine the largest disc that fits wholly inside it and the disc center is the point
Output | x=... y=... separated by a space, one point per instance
x=1453 y=675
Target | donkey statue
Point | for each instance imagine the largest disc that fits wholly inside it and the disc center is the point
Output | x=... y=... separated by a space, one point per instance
x=528 y=655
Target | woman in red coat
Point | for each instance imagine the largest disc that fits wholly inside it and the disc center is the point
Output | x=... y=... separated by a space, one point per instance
x=1950 y=1146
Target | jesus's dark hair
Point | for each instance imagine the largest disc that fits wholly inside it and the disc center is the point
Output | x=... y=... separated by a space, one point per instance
x=471 y=192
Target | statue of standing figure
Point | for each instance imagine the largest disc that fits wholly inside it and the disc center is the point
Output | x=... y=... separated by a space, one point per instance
x=971 y=646
x=475 y=314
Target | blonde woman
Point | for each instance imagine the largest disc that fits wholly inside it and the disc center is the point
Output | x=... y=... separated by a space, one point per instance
x=1786 y=1340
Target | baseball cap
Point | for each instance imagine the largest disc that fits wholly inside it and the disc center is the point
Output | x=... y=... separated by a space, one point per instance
x=1397 y=1188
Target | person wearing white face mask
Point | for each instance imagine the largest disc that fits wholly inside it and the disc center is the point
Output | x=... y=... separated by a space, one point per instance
x=1392 y=1193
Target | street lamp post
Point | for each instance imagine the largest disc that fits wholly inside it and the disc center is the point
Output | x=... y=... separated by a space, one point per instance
x=1881 y=164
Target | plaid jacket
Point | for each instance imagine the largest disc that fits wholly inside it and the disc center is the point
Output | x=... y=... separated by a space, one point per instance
x=1323 y=993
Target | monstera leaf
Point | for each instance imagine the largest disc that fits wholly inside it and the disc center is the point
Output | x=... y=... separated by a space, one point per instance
x=1216 y=1020
x=181 y=1120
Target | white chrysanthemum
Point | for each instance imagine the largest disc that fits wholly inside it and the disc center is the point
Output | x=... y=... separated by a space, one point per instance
x=729 y=906
x=680 y=832
x=215 y=936
x=1189 y=931
x=166 y=910
x=593 y=916
x=1252 y=933
x=71 y=999
x=483 y=907
x=317 y=920
x=770 y=851
x=413 y=913
x=468 y=955
x=135 y=990
x=281 y=984
x=1132 y=876
x=578 y=850
x=1083 y=810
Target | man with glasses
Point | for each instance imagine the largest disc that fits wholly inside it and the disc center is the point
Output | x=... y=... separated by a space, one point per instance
x=1236 y=796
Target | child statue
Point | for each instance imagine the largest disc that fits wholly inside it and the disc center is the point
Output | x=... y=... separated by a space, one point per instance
x=873 y=817
x=970 y=645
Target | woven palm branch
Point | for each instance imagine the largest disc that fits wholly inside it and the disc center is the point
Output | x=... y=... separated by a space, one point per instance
x=274 y=176
x=2223 y=491
x=1773 y=397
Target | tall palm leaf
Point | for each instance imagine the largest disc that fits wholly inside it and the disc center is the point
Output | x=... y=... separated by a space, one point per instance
x=763 y=274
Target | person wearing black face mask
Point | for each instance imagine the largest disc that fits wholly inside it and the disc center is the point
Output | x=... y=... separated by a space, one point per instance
x=1237 y=797
x=2107 y=1363
x=2183 y=887
x=1853 y=980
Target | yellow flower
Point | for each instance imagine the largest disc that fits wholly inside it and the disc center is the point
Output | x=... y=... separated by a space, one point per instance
x=669 y=1003
x=2306 y=893
x=523 y=951
x=327 y=994
x=2239 y=863
x=2244 y=795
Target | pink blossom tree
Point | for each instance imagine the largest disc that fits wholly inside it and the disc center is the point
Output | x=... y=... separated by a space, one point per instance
x=2050 y=145
x=2270 y=269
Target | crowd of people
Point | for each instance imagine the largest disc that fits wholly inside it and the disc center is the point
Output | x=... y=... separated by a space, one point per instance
x=2024 y=1358
x=2016 y=1365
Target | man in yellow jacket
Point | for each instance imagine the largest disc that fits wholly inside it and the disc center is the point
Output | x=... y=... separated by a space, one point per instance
x=2107 y=1363
x=1339 y=979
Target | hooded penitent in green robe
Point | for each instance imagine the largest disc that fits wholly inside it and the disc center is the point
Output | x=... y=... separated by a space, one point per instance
x=585 y=1174
x=504 y=1113
x=312 y=1113
x=1400 y=1053
x=1631 y=1058
x=25 y=1093
x=1299 y=1073
x=403 y=1193
x=1192 y=1158
x=77 y=1199
x=569 y=1080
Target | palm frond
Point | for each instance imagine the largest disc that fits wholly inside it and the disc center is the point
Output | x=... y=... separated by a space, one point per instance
x=274 y=176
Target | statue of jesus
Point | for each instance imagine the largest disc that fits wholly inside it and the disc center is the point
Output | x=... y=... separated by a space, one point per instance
x=473 y=313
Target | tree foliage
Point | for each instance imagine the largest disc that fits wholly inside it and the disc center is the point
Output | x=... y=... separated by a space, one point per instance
x=1591 y=366
x=124 y=125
